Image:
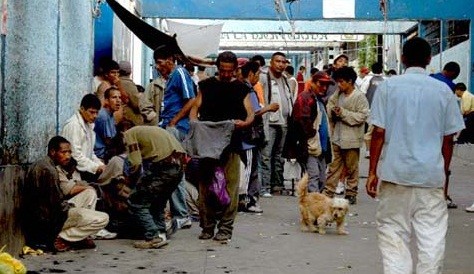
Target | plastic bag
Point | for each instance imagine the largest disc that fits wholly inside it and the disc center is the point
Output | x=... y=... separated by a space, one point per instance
x=218 y=189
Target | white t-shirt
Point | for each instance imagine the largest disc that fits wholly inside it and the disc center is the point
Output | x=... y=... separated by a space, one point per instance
x=416 y=111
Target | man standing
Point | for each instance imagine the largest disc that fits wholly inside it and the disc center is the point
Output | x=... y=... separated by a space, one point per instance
x=178 y=99
x=161 y=157
x=276 y=90
x=105 y=124
x=79 y=130
x=347 y=110
x=221 y=99
x=131 y=110
x=415 y=118
x=51 y=221
x=309 y=114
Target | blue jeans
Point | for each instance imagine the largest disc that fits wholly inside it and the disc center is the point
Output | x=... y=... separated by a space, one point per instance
x=316 y=168
x=178 y=206
x=272 y=161
x=148 y=200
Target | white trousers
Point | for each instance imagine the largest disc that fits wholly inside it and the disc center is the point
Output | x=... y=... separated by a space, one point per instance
x=82 y=220
x=403 y=210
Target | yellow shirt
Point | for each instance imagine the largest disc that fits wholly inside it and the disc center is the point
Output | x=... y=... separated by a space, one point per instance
x=467 y=103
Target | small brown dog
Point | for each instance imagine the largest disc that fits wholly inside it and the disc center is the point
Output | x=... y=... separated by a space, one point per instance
x=318 y=207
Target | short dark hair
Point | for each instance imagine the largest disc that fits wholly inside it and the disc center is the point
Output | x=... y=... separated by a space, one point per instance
x=258 y=58
x=302 y=68
x=90 y=101
x=313 y=70
x=345 y=73
x=249 y=67
x=416 y=52
x=290 y=70
x=460 y=86
x=278 y=53
x=163 y=52
x=377 y=68
x=227 y=57
x=55 y=142
x=108 y=91
x=452 y=67
x=201 y=68
x=109 y=65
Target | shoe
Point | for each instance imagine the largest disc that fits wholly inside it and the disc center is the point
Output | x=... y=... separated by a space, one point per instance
x=206 y=236
x=171 y=226
x=470 y=209
x=255 y=208
x=450 y=203
x=222 y=237
x=352 y=199
x=184 y=223
x=340 y=188
x=156 y=242
x=61 y=245
x=267 y=195
x=87 y=243
x=367 y=154
x=104 y=234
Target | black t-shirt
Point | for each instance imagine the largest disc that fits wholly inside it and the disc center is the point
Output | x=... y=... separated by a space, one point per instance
x=222 y=100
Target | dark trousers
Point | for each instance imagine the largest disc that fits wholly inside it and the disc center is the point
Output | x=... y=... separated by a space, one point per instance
x=148 y=200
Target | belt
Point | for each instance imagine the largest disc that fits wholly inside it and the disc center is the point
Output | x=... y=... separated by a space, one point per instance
x=175 y=158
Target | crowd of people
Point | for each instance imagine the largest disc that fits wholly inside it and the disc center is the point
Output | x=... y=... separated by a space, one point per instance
x=144 y=162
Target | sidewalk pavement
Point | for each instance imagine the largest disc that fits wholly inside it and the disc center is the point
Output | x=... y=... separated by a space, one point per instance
x=273 y=243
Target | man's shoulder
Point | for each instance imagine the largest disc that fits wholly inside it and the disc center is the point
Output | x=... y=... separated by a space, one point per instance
x=41 y=165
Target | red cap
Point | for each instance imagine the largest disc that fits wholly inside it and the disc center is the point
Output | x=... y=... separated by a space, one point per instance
x=322 y=77
x=241 y=62
x=364 y=70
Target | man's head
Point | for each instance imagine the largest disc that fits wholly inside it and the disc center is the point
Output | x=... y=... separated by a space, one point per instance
x=259 y=59
x=364 y=71
x=320 y=82
x=251 y=72
x=302 y=69
x=416 y=53
x=313 y=70
x=341 y=61
x=164 y=60
x=226 y=65
x=110 y=70
x=451 y=70
x=59 y=150
x=112 y=99
x=278 y=63
x=377 y=68
x=345 y=78
x=125 y=68
x=459 y=89
x=290 y=70
x=90 y=106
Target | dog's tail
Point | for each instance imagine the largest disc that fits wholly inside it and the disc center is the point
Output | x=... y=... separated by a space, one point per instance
x=302 y=188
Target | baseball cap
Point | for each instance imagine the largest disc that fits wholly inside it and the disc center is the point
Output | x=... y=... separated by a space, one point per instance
x=241 y=61
x=322 y=77
x=364 y=70
x=125 y=66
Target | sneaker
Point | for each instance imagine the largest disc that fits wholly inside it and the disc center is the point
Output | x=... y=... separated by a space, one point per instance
x=367 y=154
x=254 y=209
x=206 y=236
x=340 y=188
x=352 y=199
x=104 y=234
x=470 y=209
x=171 y=226
x=156 y=242
x=222 y=237
x=450 y=203
x=184 y=223
x=61 y=245
x=267 y=195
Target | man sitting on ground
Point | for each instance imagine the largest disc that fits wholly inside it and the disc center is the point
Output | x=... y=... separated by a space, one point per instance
x=59 y=215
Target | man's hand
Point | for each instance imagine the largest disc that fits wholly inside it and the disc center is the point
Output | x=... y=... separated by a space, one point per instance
x=371 y=185
x=337 y=111
x=239 y=124
x=100 y=169
x=273 y=107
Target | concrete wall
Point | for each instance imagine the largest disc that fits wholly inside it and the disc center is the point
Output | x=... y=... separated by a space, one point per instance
x=48 y=68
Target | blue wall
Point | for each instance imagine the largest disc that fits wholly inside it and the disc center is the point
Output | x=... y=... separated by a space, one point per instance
x=103 y=33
